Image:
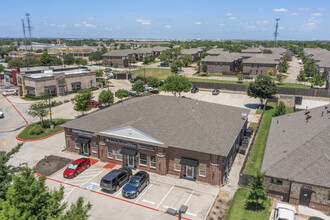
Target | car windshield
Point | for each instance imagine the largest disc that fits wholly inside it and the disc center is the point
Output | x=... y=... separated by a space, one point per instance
x=72 y=166
x=133 y=182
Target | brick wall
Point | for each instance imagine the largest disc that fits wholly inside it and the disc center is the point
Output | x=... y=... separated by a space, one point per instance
x=223 y=68
x=258 y=69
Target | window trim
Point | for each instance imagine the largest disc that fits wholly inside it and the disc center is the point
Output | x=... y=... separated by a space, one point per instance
x=94 y=145
x=75 y=146
x=151 y=161
x=276 y=181
x=118 y=153
x=177 y=159
x=146 y=159
x=199 y=170
x=108 y=152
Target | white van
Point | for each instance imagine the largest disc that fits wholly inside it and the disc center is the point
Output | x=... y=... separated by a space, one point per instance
x=284 y=211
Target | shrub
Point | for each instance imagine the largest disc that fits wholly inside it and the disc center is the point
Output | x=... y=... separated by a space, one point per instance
x=66 y=101
x=36 y=130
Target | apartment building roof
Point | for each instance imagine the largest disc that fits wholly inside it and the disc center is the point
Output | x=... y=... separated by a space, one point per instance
x=191 y=51
x=118 y=53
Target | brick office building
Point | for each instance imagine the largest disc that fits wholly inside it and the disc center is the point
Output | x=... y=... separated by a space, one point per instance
x=297 y=158
x=163 y=134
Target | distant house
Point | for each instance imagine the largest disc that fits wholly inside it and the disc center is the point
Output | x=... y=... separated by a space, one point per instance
x=158 y=50
x=194 y=52
x=118 y=57
x=259 y=64
x=226 y=63
x=143 y=52
x=215 y=52
x=297 y=158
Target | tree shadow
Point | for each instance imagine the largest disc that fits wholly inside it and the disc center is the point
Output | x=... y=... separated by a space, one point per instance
x=252 y=106
x=251 y=206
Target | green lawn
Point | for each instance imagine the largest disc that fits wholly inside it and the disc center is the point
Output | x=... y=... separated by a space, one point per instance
x=215 y=74
x=155 y=72
x=292 y=85
x=240 y=210
x=24 y=135
x=253 y=125
x=257 y=152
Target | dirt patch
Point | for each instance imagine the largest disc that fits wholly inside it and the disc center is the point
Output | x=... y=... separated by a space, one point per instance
x=51 y=164
x=219 y=209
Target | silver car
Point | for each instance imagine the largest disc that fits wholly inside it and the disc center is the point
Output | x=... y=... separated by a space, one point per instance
x=1 y=114
x=9 y=92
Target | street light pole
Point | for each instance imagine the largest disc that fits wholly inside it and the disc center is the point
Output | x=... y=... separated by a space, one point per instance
x=50 y=111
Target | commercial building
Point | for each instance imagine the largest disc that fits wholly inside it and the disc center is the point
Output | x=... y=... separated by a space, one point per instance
x=297 y=158
x=57 y=80
x=164 y=134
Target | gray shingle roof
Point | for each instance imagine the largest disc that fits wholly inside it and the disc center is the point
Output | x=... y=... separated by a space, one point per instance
x=215 y=51
x=298 y=150
x=191 y=51
x=119 y=53
x=263 y=59
x=179 y=122
x=223 y=58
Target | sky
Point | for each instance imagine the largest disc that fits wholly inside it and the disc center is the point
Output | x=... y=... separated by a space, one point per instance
x=170 y=19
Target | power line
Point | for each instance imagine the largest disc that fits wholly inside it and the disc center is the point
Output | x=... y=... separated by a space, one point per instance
x=276 y=32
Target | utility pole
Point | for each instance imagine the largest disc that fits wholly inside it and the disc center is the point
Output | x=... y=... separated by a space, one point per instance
x=23 y=25
x=29 y=29
x=276 y=32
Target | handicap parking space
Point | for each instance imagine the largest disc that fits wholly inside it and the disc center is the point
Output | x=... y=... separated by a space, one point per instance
x=157 y=196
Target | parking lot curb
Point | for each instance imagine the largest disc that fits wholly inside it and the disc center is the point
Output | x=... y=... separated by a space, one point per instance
x=103 y=194
x=17 y=111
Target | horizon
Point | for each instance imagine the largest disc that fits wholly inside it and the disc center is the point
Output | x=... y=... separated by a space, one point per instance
x=184 y=20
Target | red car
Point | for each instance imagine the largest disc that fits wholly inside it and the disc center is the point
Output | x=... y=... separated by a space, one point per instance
x=94 y=104
x=76 y=167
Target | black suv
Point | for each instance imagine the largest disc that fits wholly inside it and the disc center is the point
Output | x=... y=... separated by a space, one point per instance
x=194 y=90
x=115 y=179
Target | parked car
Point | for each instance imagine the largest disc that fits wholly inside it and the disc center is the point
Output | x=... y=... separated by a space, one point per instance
x=248 y=77
x=115 y=179
x=94 y=104
x=215 y=92
x=284 y=211
x=9 y=92
x=1 y=114
x=89 y=64
x=133 y=80
x=132 y=92
x=107 y=70
x=194 y=90
x=164 y=64
x=109 y=74
x=76 y=167
x=148 y=88
x=136 y=184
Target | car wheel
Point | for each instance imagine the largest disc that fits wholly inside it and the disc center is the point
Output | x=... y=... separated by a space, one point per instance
x=137 y=194
x=117 y=188
x=75 y=174
x=88 y=165
x=148 y=182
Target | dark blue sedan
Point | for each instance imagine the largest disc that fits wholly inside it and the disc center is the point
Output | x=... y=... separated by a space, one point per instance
x=136 y=184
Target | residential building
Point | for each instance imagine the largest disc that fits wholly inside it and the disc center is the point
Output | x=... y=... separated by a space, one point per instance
x=144 y=52
x=297 y=158
x=118 y=57
x=215 y=52
x=194 y=52
x=254 y=50
x=183 y=137
x=260 y=64
x=56 y=80
x=226 y=63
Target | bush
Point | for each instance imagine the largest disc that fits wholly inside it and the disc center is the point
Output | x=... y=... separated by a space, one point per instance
x=36 y=130
x=66 y=101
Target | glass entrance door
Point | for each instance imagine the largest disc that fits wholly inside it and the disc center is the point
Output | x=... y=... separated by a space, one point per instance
x=85 y=149
x=62 y=90
x=130 y=161
x=189 y=172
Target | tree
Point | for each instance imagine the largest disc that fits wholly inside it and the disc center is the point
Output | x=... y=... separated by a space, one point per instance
x=270 y=72
x=268 y=51
x=99 y=73
x=80 y=61
x=146 y=60
x=7 y=171
x=121 y=93
x=262 y=88
x=204 y=68
x=46 y=59
x=95 y=56
x=310 y=67
x=31 y=62
x=153 y=82
x=178 y=63
x=301 y=76
x=177 y=84
x=138 y=86
x=257 y=191
x=283 y=66
x=37 y=201
x=82 y=100
x=68 y=59
x=317 y=80
x=107 y=97
x=187 y=59
x=104 y=50
x=174 y=68
x=56 y=61
x=15 y=63
x=280 y=109
x=240 y=77
x=2 y=68
x=166 y=56
x=38 y=110
x=133 y=60
x=279 y=77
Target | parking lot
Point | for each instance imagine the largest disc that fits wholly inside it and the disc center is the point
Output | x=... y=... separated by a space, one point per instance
x=162 y=193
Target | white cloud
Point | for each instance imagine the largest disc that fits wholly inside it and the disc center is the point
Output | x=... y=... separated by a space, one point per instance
x=168 y=26
x=317 y=14
x=228 y=14
x=144 y=22
x=281 y=28
x=222 y=24
x=303 y=9
x=262 y=22
x=89 y=18
x=280 y=10
x=87 y=25
x=77 y=25
x=321 y=9
x=232 y=18
x=55 y=25
x=198 y=22
x=294 y=13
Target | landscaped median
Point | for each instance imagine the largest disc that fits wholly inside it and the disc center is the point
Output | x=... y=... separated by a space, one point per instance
x=41 y=130
x=241 y=209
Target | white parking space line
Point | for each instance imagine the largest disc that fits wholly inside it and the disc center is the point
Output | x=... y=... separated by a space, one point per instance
x=117 y=194
x=189 y=198
x=68 y=195
x=192 y=214
x=166 y=207
x=146 y=201
x=143 y=193
x=164 y=197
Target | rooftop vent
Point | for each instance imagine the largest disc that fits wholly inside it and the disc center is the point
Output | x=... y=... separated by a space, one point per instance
x=244 y=115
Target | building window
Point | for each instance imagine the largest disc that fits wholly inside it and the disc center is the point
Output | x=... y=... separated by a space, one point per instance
x=31 y=92
x=143 y=159
x=153 y=161
x=276 y=181
x=109 y=152
x=77 y=146
x=202 y=169
x=250 y=72
x=329 y=196
x=94 y=150
x=76 y=87
x=257 y=72
x=119 y=156
x=261 y=72
x=177 y=165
